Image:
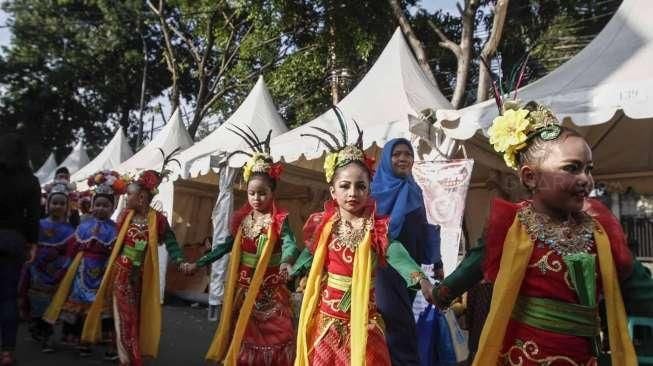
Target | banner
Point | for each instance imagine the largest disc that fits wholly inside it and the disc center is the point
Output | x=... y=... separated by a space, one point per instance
x=444 y=186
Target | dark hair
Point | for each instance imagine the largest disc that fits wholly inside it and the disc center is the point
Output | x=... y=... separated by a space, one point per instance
x=13 y=153
x=110 y=197
x=62 y=170
x=538 y=149
x=355 y=162
x=266 y=177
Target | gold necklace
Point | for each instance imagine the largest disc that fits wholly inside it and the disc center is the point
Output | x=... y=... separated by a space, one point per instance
x=252 y=225
x=350 y=233
x=568 y=237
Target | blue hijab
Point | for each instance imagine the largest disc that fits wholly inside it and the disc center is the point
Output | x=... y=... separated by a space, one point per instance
x=395 y=196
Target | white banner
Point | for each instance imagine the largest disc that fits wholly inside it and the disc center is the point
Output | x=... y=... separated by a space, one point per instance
x=444 y=186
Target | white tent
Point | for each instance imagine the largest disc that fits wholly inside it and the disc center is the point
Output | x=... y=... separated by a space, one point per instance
x=606 y=90
x=394 y=88
x=257 y=112
x=173 y=135
x=74 y=161
x=46 y=169
x=117 y=151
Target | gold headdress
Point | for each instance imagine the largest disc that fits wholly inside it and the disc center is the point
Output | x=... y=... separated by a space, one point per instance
x=260 y=160
x=341 y=154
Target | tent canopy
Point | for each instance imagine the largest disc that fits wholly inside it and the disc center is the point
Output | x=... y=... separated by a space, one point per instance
x=394 y=88
x=613 y=73
x=172 y=136
x=117 y=151
x=46 y=169
x=74 y=161
x=257 y=112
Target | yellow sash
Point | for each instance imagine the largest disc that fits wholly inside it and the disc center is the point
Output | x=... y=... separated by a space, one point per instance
x=54 y=309
x=517 y=250
x=150 y=301
x=219 y=343
x=360 y=292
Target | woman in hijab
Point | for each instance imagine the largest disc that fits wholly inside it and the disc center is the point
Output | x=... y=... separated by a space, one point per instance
x=398 y=196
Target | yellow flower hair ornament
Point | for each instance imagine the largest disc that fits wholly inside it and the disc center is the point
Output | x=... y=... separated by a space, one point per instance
x=511 y=131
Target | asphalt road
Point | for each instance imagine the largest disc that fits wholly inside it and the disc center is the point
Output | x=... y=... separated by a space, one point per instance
x=184 y=341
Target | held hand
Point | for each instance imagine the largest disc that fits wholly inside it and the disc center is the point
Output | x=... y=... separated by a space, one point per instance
x=427 y=290
x=31 y=253
x=438 y=274
x=284 y=270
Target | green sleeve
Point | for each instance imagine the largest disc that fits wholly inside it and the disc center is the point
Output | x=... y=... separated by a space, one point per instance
x=289 y=250
x=637 y=291
x=303 y=263
x=218 y=252
x=468 y=273
x=399 y=259
x=172 y=246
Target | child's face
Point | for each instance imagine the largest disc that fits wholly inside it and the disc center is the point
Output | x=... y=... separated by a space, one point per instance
x=351 y=188
x=57 y=206
x=259 y=194
x=563 y=179
x=102 y=208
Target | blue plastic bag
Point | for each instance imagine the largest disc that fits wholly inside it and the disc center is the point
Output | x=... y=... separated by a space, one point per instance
x=434 y=339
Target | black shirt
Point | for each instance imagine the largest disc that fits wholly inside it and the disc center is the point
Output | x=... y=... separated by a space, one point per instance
x=20 y=195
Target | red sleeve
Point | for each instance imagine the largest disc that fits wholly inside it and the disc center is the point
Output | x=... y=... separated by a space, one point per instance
x=162 y=224
x=502 y=215
x=238 y=217
x=380 y=240
x=623 y=258
x=312 y=229
x=280 y=216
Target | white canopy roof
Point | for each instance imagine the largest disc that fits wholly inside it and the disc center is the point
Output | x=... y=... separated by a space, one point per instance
x=394 y=88
x=172 y=136
x=117 y=151
x=46 y=169
x=613 y=73
x=74 y=161
x=257 y=112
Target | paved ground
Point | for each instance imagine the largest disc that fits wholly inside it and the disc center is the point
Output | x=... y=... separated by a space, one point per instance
x=184 y=341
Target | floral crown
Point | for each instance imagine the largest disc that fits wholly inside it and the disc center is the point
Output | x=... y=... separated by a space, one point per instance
x=108 y=182
x=341 y=154
x=260 y=160
x=151 y=179
x=517 y=124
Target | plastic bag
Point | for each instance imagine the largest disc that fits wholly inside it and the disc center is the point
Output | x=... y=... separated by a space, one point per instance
x=458 y=336
x=434 y=339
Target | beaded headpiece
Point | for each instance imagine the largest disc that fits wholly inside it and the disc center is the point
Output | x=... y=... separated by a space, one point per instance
x=260 y=160
x=62 y=187
x=517 y=124
x=341 y=154
x=107 y=182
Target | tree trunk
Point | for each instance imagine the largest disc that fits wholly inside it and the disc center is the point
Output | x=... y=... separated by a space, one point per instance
x=464 y=61
x=490 y=47
x=415 y=44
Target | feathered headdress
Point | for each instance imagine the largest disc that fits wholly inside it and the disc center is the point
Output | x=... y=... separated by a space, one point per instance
x=151 y=179
x=260 y=160
x=517 y=123
x=107 y=182
x=341 y=154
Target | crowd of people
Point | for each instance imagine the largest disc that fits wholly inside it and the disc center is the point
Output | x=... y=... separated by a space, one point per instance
x=550 y=260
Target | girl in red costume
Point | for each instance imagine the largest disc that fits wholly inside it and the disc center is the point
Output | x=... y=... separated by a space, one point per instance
x=551 y=258
x=339 y=323
x=256 y=322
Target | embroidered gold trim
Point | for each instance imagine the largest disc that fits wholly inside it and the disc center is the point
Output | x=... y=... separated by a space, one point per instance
x=529 y=351
x=544 y=265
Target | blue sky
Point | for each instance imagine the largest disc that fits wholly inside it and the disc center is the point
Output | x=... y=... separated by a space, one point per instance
x=448 y=5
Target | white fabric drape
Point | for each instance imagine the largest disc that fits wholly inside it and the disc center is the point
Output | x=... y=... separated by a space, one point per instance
x=221 y=216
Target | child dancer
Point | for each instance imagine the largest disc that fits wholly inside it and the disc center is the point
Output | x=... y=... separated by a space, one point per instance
x=552 y=257
x=339 y=323
x=256 y=321
x=42 y=276
x=94 y=237
x=131 y=281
